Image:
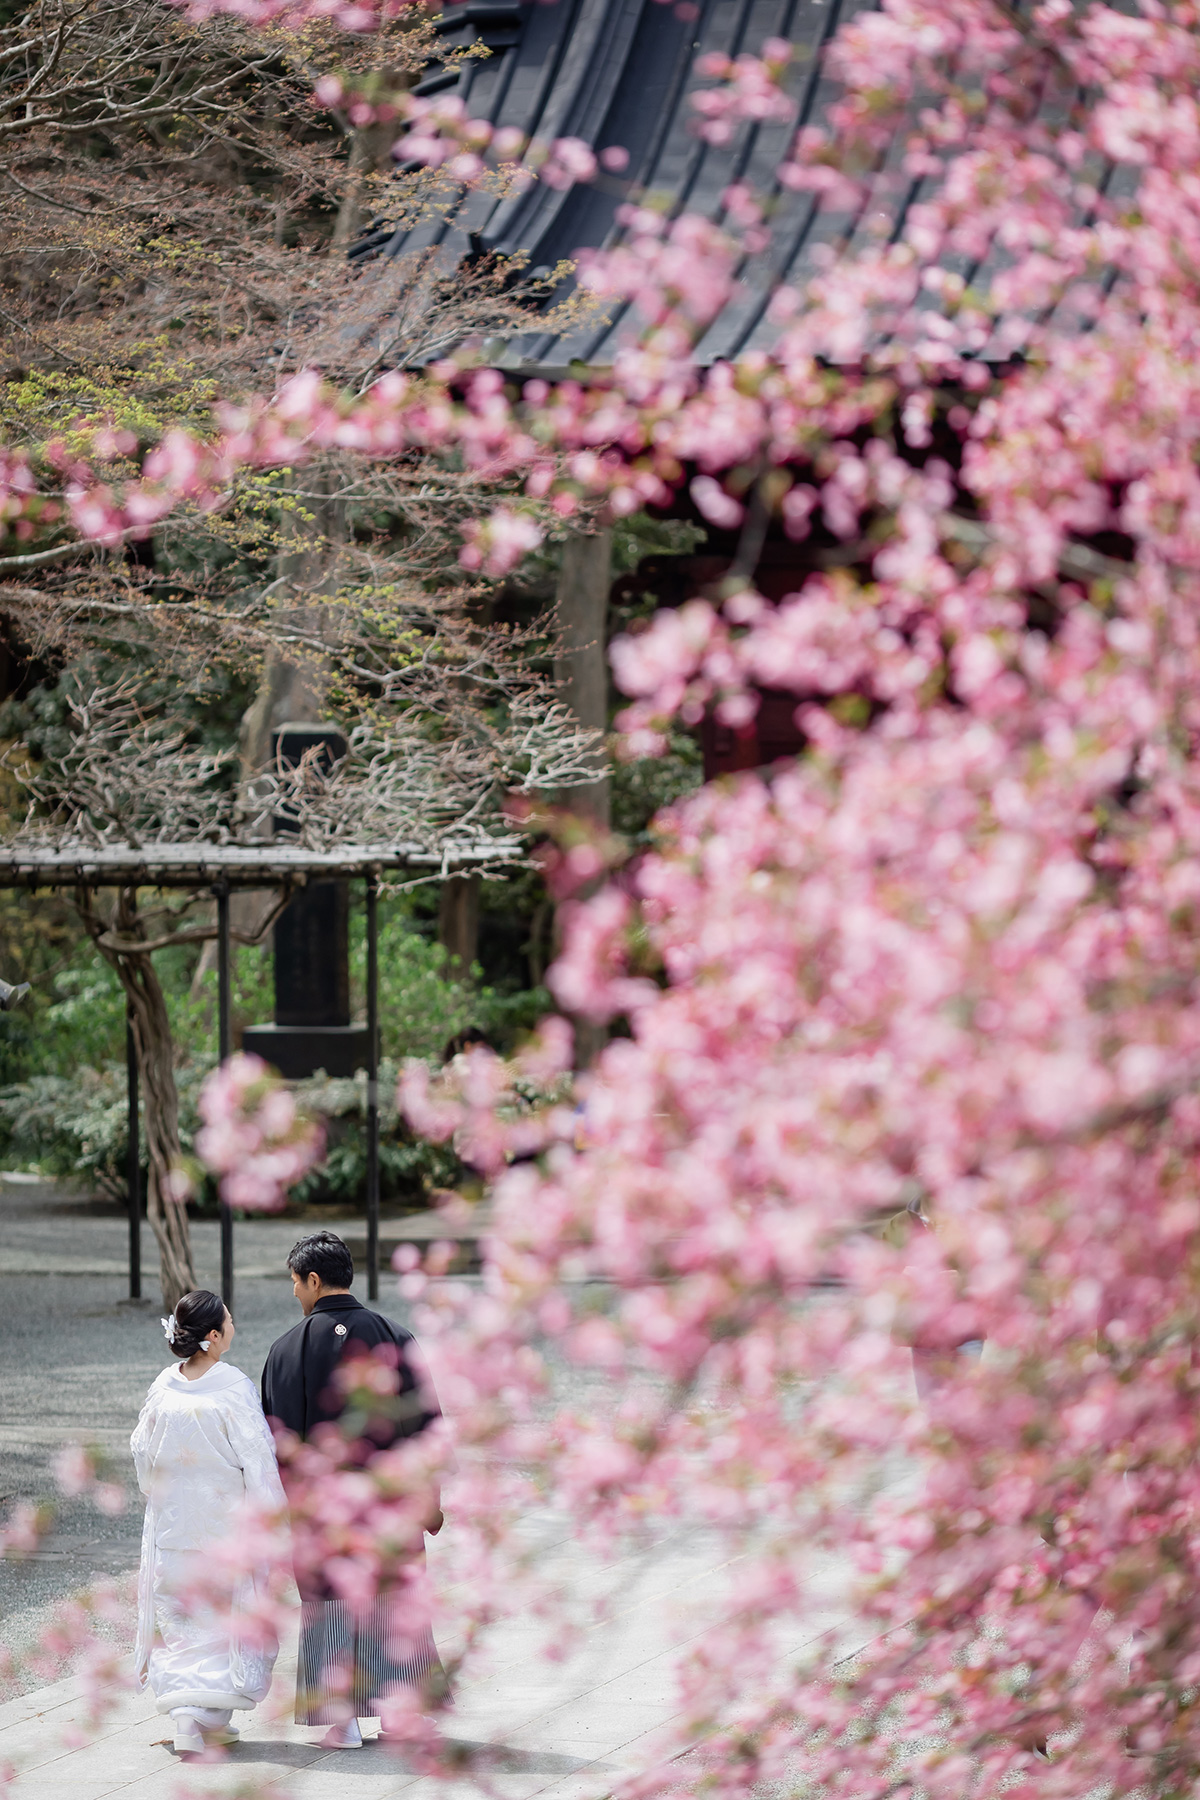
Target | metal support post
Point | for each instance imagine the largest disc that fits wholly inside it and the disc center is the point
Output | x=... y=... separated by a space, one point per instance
x=224 y=1048
x=134 y=1164
x=373 y=1086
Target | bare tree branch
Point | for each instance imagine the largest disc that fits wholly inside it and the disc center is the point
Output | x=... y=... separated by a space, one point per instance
x=40 y=559
x=425 y=771
x=193 y=934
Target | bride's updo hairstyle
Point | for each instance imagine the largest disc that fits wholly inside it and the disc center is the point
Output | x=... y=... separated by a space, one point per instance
x=195 y=1318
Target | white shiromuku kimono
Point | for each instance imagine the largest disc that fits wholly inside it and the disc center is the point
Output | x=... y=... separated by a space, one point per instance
x=201 y=1449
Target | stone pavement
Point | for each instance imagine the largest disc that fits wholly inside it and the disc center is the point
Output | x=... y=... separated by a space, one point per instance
x=568 y=1729
x=76 y=1363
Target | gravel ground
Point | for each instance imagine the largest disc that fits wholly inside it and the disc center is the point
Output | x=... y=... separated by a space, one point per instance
x=76 y=1358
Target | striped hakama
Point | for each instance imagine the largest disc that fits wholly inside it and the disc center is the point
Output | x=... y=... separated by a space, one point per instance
x=349 y=1661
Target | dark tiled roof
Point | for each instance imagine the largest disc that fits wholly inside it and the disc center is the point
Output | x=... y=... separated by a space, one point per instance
x=620 y=72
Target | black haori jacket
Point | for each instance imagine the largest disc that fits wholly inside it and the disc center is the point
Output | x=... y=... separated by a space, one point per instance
x=299 y=1389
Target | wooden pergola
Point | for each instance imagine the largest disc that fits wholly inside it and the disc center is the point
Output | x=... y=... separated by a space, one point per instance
x=220 y=868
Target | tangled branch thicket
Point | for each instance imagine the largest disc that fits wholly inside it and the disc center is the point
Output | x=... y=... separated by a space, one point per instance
x=410 y=775
x=174 y=219
x=174 y=215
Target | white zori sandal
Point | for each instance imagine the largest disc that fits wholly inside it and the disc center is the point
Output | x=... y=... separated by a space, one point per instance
x=222 y=1736
x=189 y=1739
x=343 y=1737
x=193 y=1739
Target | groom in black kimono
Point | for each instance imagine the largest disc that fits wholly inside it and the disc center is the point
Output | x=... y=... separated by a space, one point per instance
x=348 y=1658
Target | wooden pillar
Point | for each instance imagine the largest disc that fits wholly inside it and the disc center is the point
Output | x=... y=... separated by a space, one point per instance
x=581 y=654
x=458 y=923
x=224 y=1052
x=373 y=1085
x=581 y=676
x=134 y=1163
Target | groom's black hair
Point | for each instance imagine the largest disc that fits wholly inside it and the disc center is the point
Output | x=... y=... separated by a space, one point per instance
x=323 y=1253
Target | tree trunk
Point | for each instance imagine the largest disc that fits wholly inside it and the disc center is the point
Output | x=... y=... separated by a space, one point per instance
x=156 y=1069
x=156 y=1066
x=581 y=677
x=458 y=923
x=581 y=654
x=370 y=150
x=290 y=691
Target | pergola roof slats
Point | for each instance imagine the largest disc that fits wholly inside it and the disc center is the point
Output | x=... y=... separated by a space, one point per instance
x=241 y=865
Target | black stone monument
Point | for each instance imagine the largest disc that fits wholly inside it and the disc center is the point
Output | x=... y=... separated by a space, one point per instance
x=312 y=1028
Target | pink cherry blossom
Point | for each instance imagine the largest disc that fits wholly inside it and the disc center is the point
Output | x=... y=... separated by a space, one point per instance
x=254 y=1137
x=906 y=1055
x=496 y=544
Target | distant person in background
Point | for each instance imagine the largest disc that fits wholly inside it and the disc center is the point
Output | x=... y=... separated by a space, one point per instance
x=465 y=1040
x=201 y=1448
x=349 y=1660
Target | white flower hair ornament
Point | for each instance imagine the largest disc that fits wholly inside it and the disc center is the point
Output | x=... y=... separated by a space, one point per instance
x=168 y=1326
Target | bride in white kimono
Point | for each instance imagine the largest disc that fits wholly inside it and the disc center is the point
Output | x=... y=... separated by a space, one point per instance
x=202 y=1447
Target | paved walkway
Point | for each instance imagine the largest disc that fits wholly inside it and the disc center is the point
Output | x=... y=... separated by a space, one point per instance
x=76 y=1364
x=530 y=1726
x=76 y=1358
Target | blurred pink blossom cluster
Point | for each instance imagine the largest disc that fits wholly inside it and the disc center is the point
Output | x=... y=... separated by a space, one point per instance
x=291 y=15
x=254 y=1137
x=495 y=1109
x=678 y=272
x=875 y=1110
x=81 y=1470
x=496 y=544
x=698 y=656
x=85 y=1635
x=750 y=90
x=440 y=133
x=22 y=508
x=906 y=1049
x=23 y=1530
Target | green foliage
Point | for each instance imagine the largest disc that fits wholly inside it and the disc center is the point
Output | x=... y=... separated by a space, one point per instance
x=640 y=535
x=84 y=1025
x=422 y=1003
x=408 y=1166
x=64 y=1106
x=68 y=1126
x=640 y=789
x=38 y=935
x=148 y=393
